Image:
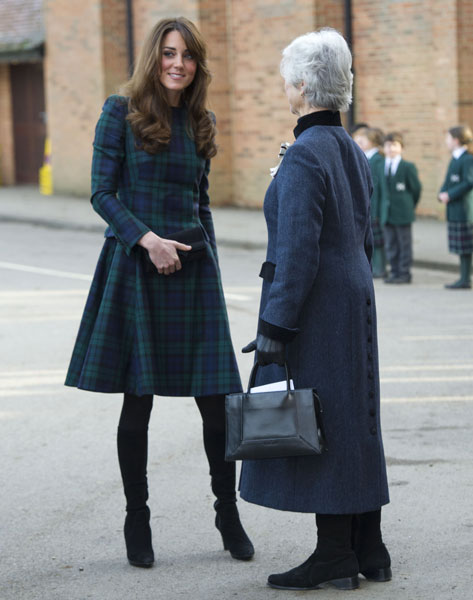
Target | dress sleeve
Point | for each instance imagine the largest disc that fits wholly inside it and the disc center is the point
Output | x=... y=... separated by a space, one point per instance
x=301 y=192
x=108 y=160
x=205 y=214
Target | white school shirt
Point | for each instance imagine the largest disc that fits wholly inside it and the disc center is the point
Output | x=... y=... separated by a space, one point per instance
x=458 y=152
x=391 y=165
x=371 y=152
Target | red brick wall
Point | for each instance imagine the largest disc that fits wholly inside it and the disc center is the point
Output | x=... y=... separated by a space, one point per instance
x=75 y=88
x=114 y=45
x=406 y=79
x=146 y=13
x=213 y=22
x=465 y=61
x=412 y=72
x=259 y=30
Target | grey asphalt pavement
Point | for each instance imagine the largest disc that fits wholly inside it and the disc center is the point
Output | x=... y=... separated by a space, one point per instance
x=62 y=506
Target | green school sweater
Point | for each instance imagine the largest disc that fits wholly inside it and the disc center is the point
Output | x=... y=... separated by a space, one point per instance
x=379 y=197
x=459 y=185
x=404 y=190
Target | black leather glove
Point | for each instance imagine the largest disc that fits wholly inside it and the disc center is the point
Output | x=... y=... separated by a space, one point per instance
x=268 y=351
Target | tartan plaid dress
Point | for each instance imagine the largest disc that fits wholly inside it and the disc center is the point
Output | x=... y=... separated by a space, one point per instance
x=141 y=332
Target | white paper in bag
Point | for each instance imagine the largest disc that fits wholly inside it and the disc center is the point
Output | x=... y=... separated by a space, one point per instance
x=277 y=386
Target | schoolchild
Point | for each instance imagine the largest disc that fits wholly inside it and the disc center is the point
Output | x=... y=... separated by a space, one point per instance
x=404 y=190
x=457 y=194
x=370 y=140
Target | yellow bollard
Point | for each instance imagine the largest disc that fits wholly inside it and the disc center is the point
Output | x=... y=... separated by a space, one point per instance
x=46 y=171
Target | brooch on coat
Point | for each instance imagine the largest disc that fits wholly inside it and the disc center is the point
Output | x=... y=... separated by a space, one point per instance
x=282 y=152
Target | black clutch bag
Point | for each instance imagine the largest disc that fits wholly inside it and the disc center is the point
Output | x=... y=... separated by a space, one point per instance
x=194 y=236
x=273 y=424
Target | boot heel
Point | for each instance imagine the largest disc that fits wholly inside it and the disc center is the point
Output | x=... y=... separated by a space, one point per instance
x=346 y=583
x=233 y=535
x=380 y=575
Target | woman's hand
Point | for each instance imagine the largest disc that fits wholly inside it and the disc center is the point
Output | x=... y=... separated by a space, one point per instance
x=444 y=197
x=163 y=252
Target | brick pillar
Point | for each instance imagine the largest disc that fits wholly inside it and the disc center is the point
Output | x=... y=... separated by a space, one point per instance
x=75 y=88
x=114 y=45
x=7 y=157
x=85 y=61
x=214 y=23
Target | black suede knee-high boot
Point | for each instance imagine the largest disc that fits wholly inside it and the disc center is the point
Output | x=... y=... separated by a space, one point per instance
x=132 y=445
x=373 y=557
x=332 y=562
x=223 y=479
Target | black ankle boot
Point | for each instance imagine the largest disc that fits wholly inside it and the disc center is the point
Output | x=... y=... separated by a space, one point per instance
x=373 y=557
x=234 y=537
x=333 y=561
x=133 y=455
x=137 y=531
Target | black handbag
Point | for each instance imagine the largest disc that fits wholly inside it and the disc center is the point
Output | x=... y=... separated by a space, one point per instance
x=274 y=424
x=194 y=236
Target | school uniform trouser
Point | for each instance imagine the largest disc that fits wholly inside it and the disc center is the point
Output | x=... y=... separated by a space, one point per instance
x=398 y=244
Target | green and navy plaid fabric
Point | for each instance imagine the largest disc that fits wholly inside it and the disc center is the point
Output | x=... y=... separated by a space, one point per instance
x=141 y=332
x=460 y=237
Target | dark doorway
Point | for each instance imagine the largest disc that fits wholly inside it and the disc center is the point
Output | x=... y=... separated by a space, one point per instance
x=29 y=128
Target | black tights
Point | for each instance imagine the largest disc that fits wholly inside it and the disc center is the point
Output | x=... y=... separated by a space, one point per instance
x=136 y=412
x=134 y=418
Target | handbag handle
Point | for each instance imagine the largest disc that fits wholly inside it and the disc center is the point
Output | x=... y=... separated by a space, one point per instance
x=254 y=370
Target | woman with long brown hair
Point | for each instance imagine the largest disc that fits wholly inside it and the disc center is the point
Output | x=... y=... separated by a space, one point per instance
x=155 y=322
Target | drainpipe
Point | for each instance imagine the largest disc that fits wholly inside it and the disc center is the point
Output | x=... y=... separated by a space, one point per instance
x=349 y=39
x=129 y=36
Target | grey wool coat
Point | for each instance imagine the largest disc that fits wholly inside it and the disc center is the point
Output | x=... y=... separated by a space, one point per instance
x=319 y=298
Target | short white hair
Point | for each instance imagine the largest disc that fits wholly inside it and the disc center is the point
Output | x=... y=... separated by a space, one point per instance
x=322 y=60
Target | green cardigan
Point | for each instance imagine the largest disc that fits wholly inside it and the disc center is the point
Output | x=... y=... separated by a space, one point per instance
x=404 y=190
x=379 y=197
x=459 y=185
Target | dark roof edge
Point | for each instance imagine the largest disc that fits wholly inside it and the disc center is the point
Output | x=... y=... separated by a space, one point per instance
x=12 y=55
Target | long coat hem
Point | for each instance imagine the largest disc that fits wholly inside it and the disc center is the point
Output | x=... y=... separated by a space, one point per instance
x=269 y=502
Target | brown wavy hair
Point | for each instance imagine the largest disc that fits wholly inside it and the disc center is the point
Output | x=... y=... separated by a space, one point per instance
x=149 y=110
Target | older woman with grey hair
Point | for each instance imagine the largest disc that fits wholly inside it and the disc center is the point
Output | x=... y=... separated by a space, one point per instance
x=318 y=313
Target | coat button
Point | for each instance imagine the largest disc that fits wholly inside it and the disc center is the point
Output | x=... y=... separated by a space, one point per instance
x=370 y=356
x=371 y=394
x=368 y=320
x=370 y=376
x=372 y=412
x=368 y=301
x=373 y=431
x=370 y=339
